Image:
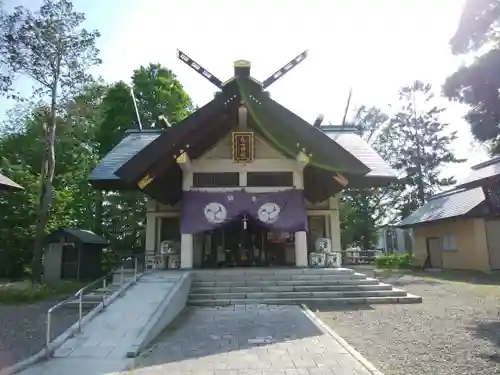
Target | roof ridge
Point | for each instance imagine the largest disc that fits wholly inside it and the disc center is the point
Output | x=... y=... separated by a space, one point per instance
x=338 y=128
x=486 y=163
x=449 y=192
x=149 y=130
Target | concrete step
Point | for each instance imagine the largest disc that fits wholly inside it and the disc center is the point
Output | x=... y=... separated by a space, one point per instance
x=409 y=298
x=239 y=272
x=297 y=295
x=289 y=288
x=303 y=282
x=282 y=277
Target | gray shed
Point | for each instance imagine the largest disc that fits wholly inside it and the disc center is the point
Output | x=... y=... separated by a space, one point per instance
x=73 y=254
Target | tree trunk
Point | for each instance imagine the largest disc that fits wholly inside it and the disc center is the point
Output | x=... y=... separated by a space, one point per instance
x=46 y=178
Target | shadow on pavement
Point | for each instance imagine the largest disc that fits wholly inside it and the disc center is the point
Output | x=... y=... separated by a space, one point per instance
x=203 y=332
x=489 y=331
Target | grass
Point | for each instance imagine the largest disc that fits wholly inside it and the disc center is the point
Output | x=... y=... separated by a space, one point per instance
x=24 y=292
x=394 y=261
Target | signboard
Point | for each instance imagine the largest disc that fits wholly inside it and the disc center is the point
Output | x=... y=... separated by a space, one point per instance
x=243 y=147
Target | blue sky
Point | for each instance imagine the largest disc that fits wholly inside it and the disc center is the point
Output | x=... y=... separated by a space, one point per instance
x=372 y=46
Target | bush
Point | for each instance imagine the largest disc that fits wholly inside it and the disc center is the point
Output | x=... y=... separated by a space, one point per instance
x=394 y=261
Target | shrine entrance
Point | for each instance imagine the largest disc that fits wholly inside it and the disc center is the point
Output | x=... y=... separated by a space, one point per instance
x=246 y=242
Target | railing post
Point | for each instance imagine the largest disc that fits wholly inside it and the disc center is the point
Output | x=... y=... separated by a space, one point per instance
x=135 y=269
x=121 y=274
x=47 y=337
x=104 y=282
x=80 y=312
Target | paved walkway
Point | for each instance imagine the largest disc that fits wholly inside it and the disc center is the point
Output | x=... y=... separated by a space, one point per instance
x=251 y=340
x=101 y=349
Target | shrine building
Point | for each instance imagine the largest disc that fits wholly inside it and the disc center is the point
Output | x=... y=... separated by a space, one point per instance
x=242 y=181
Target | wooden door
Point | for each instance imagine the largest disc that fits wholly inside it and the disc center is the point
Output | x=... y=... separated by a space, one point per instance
x=170 y=229
x=434 y=252
x=69 y=262
x=493 y=240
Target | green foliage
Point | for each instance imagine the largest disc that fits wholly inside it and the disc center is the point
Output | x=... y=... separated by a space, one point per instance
x=49 y=46
x=159 y=93
x=423 y=145
x=364 y=211
x=478 y=25
x=478 y=84
x=24 y=292
x=415 y=142
x=394 y=261
x=88 y=127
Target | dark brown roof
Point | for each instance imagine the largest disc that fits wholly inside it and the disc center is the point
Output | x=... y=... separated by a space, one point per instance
x=202 y=129
x=77 y=235
x=153 y=153
x=6 y=184
x=170 y=143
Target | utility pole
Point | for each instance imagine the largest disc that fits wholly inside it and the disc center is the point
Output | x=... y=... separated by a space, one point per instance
x=420 y=176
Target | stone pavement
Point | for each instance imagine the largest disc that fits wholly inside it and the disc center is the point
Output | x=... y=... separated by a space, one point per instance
x=101 y=348
x=247 y=340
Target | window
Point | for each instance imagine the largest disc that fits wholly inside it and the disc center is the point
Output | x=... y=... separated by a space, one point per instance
x=449 y=242
x=270 y=179
x=224 y=179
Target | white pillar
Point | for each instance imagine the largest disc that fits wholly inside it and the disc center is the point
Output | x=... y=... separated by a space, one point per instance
x=187 y=250
x=301 y=249
x=151 y=240
x=335 y=224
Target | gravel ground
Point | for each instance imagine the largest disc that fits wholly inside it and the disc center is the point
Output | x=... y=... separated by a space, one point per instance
x=456 y=330
x=22 y=329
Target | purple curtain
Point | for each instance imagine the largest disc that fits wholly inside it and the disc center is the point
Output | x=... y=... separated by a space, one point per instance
x=202 y=211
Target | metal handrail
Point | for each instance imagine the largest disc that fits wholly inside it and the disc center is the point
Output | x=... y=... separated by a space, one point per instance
x=80 y=293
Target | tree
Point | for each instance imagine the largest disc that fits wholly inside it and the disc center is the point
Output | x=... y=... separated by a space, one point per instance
x=21 y=151
x=478 y=84
x=422 y=142
x=50 y=47
x=364 y=211
x=158 y=93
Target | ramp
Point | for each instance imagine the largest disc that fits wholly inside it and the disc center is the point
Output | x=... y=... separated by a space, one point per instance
x=124 y=326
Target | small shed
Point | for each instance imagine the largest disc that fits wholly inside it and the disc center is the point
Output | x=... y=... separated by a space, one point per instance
x=73 y=254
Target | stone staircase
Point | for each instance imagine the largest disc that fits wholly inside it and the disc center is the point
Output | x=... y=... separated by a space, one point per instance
x=291 y=286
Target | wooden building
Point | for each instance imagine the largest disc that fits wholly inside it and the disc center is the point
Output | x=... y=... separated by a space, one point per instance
x=460 y=228
x=243 y=180
x=73 y=254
